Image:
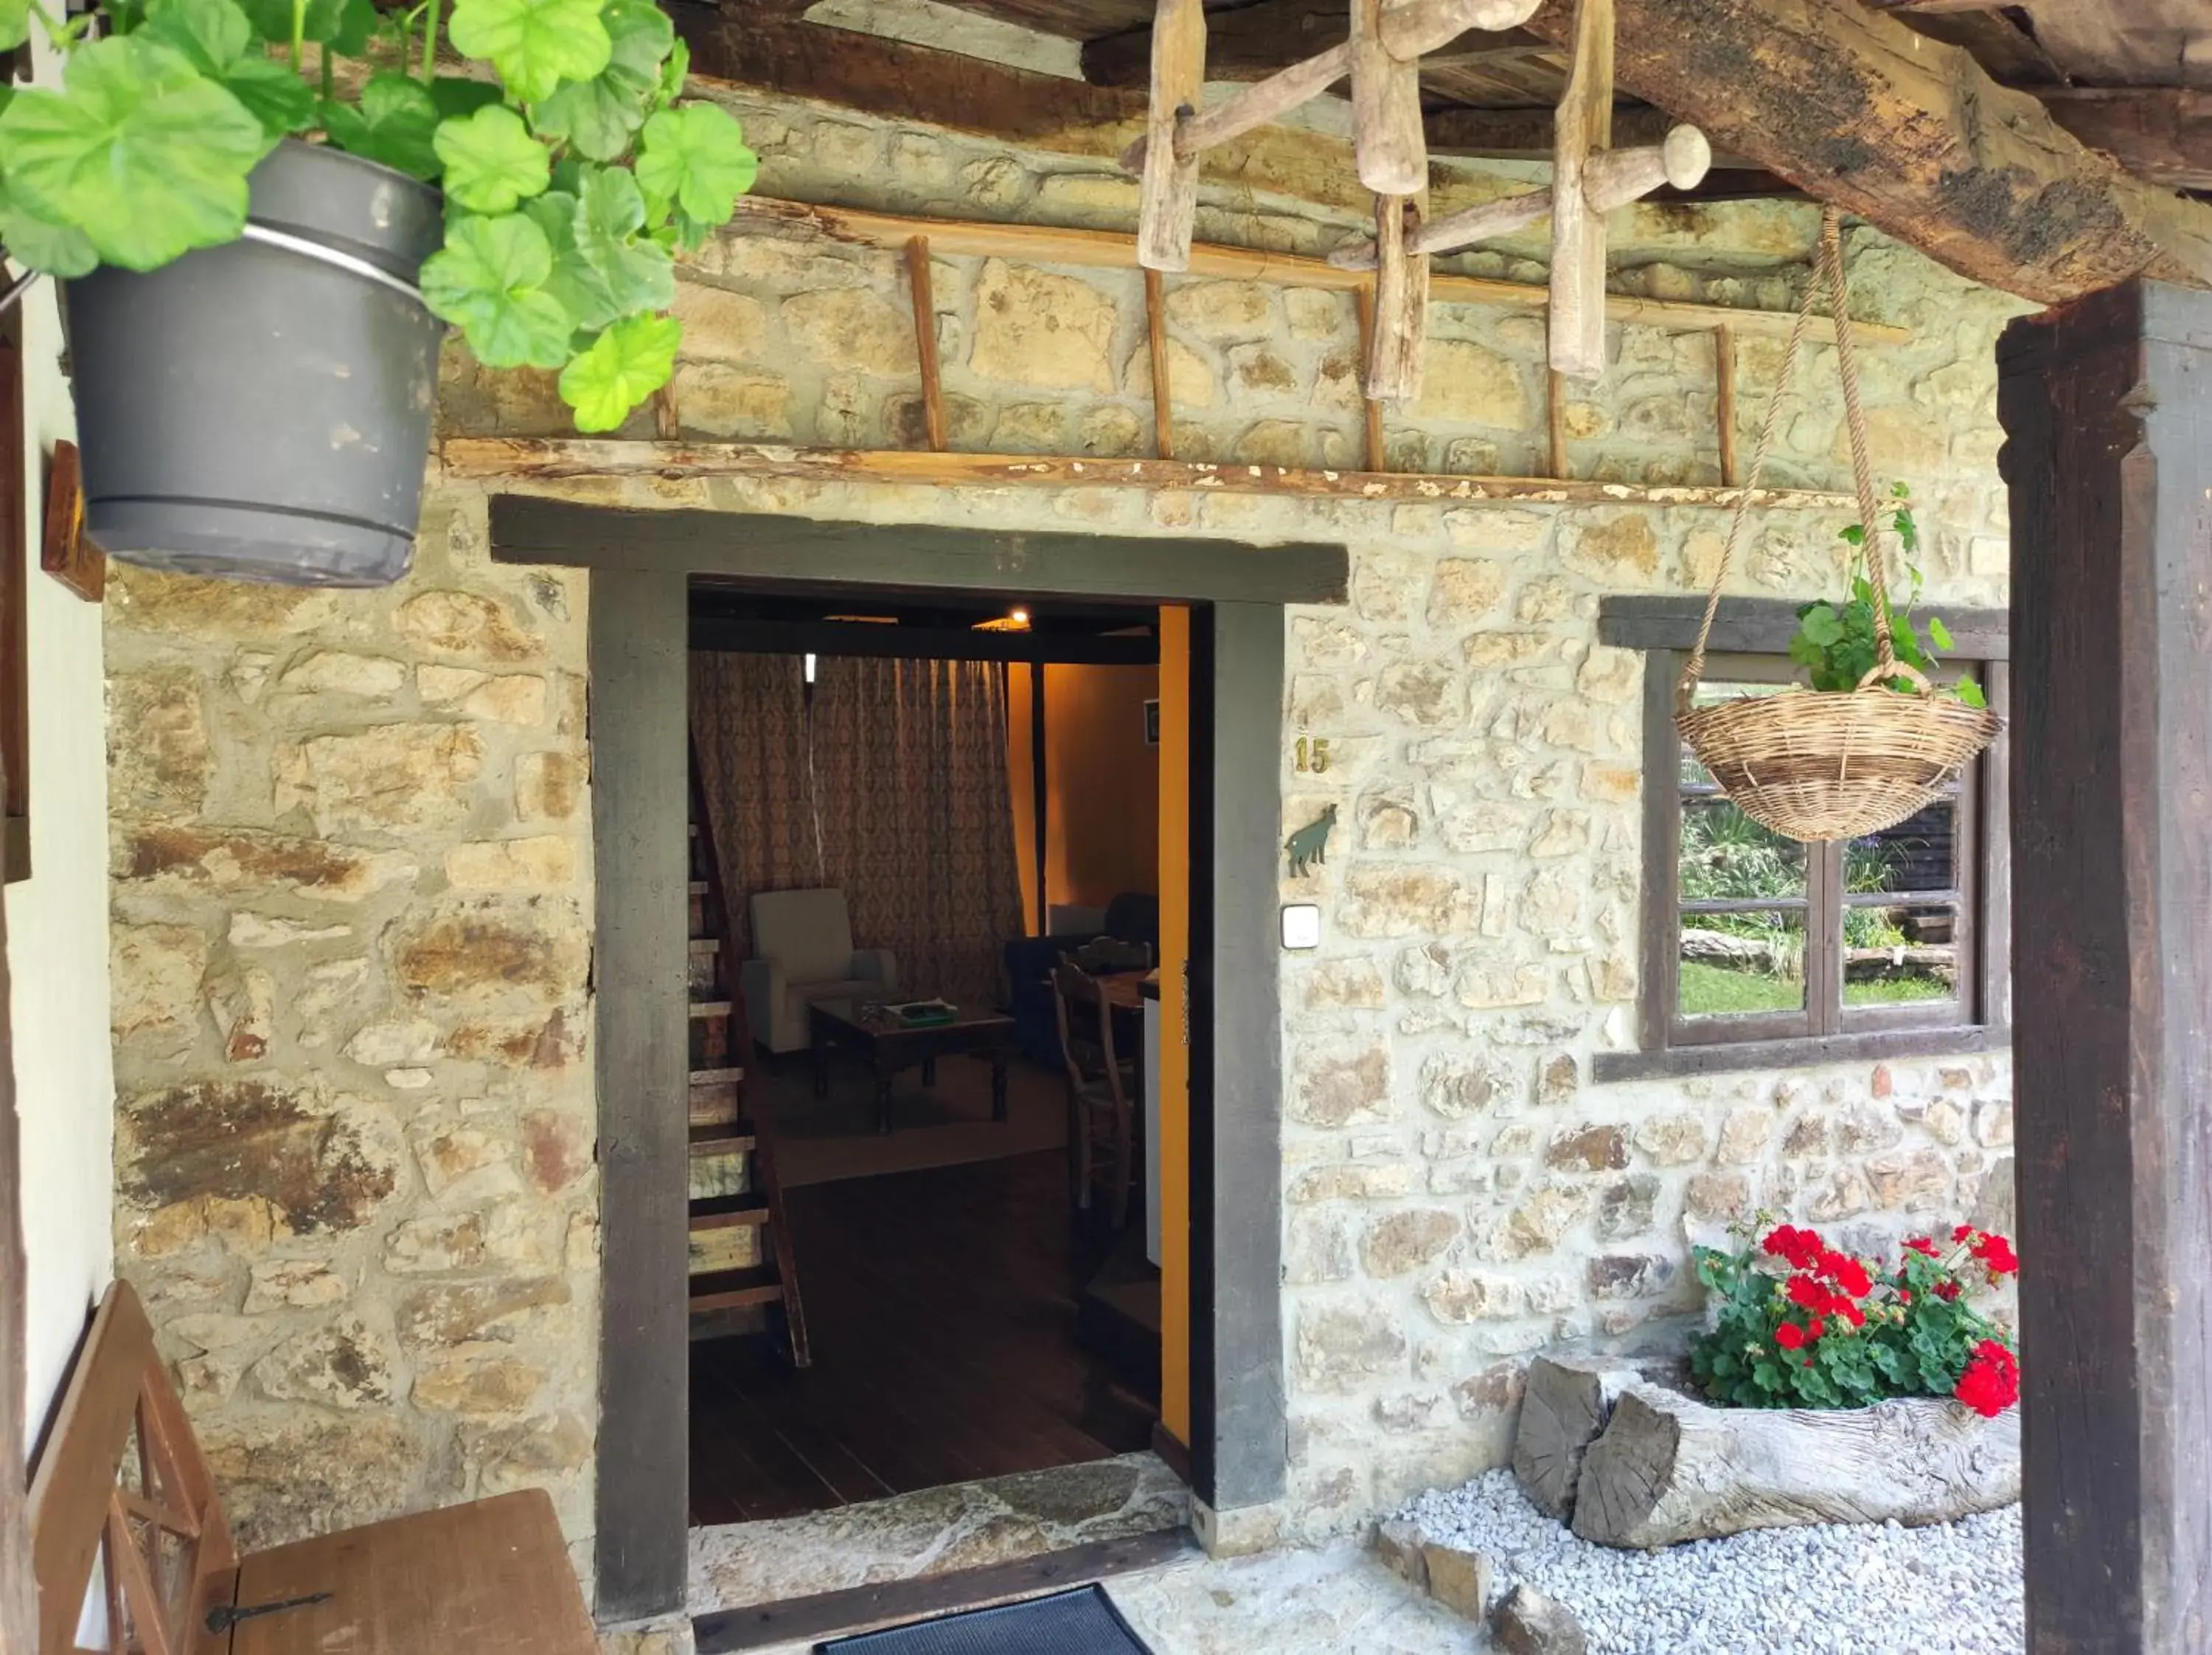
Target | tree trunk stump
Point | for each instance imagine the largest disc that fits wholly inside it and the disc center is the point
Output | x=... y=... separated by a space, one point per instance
x=1668 y=1469
x=1568 y=1402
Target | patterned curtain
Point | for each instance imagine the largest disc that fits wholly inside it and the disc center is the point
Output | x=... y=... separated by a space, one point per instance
x=907 y=806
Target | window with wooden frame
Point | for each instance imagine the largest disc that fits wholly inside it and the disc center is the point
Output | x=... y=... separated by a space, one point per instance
x=1760 y=951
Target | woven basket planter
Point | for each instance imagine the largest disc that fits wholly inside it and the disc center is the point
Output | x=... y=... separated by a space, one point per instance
x=1836 y=764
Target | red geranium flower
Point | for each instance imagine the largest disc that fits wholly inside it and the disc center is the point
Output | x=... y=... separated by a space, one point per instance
x=1947 y=1291
x=1815 y=1327
x=1923 y=1245
x=1997 y=1252
x=1851 y=1313
x=1790 y=1336
x=1799 y=1248
x=1851 y=1276
x=1803 y=1290
x=1991 y=1382
x=1962 y=1232
x=1905 y=1295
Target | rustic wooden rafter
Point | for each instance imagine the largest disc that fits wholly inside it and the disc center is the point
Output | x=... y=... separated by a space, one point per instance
x=563 y=458
x=1910 y=134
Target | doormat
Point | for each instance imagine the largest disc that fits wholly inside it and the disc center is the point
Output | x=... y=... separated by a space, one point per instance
x=1082 y=1621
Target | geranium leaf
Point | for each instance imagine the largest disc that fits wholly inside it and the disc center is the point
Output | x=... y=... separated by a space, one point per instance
x=600 y=116
x=695 y=159
x=1939 y=634
x=343 y=24
x=393 y=124
x=489 y=279
x=272 y=94
x=535 y=45
x=624 y=366
x=140 y=150
x=40 y=243
x=15 y=23
x=460 y=95
x=581 y=289
x=673 y=73
x=491 y=160
x=638 y=273
x=217 y=39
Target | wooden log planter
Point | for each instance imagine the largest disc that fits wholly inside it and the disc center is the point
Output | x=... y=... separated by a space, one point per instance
x=1659 y=1467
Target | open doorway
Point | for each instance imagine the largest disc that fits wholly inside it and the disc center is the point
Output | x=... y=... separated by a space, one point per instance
x=924 y=1192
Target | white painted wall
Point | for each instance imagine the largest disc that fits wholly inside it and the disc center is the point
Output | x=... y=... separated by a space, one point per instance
x=58 y=923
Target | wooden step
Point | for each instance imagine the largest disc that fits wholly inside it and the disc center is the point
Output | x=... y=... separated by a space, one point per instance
x=722 y=1290
x=700 y=1008
x=717 y=1077
x=698 y=887
x=728 y=1212
x=706 y=945
x=734 y=1139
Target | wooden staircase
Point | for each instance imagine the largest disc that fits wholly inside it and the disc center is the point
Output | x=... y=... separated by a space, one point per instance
x=743 y=1274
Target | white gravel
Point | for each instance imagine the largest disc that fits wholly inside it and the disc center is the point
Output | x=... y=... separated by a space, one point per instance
x=1833 y=1589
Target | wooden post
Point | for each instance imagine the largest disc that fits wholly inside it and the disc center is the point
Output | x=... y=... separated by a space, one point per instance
x=2107 y=410
x=1388 y=144
x=1724 y=379
x=1168 y=202
x=925 y=339
x=1555 y=422
x=1401 y=303
x=1156 y=335
x=1584 y=125
x=1371 y=410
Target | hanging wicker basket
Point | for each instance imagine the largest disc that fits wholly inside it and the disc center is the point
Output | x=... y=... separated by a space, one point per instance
x=1835 y=765
x=1815 y=764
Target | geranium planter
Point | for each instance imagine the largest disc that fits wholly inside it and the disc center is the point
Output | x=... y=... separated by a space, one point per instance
x=1658 y=1466
x=262 y=409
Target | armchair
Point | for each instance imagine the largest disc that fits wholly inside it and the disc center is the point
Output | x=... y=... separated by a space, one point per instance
x=802 y=943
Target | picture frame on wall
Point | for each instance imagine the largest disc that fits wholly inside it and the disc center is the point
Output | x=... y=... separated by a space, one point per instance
x=1152 y=723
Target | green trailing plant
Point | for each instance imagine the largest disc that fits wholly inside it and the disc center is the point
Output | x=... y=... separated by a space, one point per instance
x=572 y=172
x=1835 y=643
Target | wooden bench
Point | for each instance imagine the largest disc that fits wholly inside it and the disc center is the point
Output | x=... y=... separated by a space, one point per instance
x=122 y=1505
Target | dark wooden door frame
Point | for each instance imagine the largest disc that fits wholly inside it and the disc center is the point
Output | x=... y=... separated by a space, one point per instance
x=643 y=563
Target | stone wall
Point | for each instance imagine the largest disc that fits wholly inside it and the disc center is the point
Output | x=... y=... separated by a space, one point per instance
x=352 y=877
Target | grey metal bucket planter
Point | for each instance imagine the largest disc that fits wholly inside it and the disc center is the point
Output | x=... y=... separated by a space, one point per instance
x=262 y=410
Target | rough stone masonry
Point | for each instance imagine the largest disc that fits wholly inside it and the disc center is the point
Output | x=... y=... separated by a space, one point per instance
x=352 y=857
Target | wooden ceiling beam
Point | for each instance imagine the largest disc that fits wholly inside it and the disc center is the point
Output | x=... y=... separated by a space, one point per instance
x=1255 y=41
x=2162 y=133
x=1910 y=133
x=755 y=49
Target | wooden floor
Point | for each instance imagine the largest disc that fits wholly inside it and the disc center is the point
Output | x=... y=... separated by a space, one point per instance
x=942 y=1306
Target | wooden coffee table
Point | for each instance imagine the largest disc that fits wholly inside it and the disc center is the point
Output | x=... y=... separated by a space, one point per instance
x=865 y=1028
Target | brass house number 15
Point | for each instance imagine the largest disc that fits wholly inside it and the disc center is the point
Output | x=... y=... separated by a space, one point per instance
x=1313 y=754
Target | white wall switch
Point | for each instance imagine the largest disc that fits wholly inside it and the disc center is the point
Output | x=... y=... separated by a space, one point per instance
x=1301 y=925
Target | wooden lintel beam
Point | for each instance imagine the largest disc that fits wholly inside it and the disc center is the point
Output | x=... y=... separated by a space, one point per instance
x=1039 y=244
x=552 y=459
x=1910 y=133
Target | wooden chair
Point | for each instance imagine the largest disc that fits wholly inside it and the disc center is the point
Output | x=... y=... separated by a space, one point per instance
x=122 y=1505
x=1100 y=1084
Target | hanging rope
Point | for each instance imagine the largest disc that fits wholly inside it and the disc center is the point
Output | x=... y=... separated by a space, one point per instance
x=1828 y=277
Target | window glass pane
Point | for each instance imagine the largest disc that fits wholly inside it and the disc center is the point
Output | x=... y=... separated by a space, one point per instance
x=1919 y=854
x=1901 y=955
x=1732 y=963
x=1727 y=856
